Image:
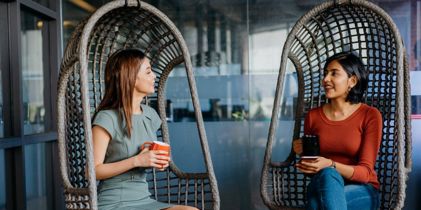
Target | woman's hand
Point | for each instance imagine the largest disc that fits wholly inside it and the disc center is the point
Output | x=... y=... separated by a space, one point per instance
x=297 y=146
x=152 y=158
x=312 y=166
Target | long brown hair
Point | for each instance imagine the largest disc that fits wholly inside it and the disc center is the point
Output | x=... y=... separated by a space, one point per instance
x=120 y=78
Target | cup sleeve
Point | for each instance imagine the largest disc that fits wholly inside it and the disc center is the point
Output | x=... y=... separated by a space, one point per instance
x=105 y=120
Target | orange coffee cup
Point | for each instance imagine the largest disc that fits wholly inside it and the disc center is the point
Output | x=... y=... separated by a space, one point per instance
x=156 y=145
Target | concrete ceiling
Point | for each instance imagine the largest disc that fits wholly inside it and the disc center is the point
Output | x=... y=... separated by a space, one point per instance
x=263 y=14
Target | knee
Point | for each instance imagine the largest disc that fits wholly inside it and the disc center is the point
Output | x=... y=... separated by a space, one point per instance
x=328 y=171
x=189 y=208
x=328 y=174
x=181 y=207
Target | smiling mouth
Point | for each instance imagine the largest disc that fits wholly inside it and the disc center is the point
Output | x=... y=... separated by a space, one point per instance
x=329 y=89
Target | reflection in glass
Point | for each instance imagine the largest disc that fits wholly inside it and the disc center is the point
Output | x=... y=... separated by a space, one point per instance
x=32 y=39
x=214 y=35
x=416 y=106
x=35 y=176
x=235 y=48
x=286 y=116
x=222 y=98
x=74 y=11
x=417 y=54
x=2 y=182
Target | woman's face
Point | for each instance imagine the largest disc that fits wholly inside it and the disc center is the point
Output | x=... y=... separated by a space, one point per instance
x=336 y=81
x=145 y=79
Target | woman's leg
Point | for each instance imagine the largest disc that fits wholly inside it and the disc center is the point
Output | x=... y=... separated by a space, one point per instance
x=326 y=191
x=361 y=197
x=180 y=207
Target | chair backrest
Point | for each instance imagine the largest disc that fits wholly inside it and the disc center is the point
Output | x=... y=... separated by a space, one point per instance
x=329 y=28
x=117 y=25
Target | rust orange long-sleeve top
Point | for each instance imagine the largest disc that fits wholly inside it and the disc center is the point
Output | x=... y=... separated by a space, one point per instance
x=354 y=141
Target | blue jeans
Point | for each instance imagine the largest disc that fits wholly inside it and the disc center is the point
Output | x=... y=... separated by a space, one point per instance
x=328 y=191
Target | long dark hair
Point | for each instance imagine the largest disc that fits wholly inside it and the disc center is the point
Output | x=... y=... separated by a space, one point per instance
x=120 y=77
x=353 y=66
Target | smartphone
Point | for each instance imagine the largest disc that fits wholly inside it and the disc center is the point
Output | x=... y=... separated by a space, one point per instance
x=309 y=157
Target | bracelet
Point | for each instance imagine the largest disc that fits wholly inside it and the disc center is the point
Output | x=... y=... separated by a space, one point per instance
x=333 y=165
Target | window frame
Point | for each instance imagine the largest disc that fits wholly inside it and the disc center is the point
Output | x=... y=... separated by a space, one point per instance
x=14 y=141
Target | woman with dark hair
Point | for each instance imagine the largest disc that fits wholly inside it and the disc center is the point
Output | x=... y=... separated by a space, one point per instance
x=121 y=125
x=349 y=131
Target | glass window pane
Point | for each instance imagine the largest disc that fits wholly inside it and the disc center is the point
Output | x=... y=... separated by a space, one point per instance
x=33 y=41
x=75 y=11
x=236 y=50
x=417 y=53
x=35 y=176
x=2 y=182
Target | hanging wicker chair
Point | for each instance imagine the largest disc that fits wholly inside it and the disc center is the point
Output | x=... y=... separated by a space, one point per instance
x=333 y=27
x=124 y=24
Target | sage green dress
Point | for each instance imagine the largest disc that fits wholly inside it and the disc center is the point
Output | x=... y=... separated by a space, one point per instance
x=130 y=189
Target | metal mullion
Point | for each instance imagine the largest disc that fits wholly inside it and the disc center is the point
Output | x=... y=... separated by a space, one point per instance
x=5 y=73
x=49 y=171
x=15 y=184
x=53 y=71
x=6 y=143
x=15 y=161
x=55 y=49
x=10 y=142
x=46 y=74
x=52 y=54
x=9 y=174
x=58 y=195
x=39 y=138
x=15 y=70
x=39 y=9
x=55 y=194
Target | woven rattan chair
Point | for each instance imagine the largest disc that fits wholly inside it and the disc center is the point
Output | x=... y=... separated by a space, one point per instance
x=116 y=25
x=330 y=28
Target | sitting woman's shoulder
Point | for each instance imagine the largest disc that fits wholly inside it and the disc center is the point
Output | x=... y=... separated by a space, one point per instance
x=369 y=107
x=316 y=109
x=111 y=115
x=371 y=111
x=107 y=112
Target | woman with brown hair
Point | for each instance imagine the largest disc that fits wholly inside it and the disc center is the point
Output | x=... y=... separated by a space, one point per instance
x=121 y=125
